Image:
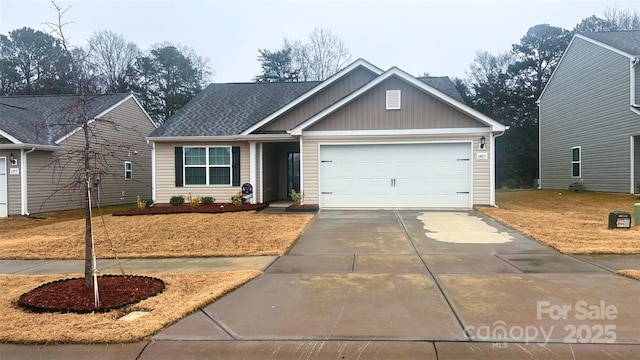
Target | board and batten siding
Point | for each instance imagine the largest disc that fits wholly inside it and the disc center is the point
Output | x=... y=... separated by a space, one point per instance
x=128 y=126
x=586 y=104
x=419 y=110
x=165 y=173
x=321 y=100
x=637 y=84
x=481 y=169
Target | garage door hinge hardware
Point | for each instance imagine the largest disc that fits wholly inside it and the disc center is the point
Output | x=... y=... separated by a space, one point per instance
x=463 y=192
x=326 y=161
x=462 y=159
x=327 y=192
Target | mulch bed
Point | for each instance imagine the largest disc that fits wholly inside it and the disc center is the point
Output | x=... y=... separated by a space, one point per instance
x=208 y=209
x=70 y=295
x=303 y=208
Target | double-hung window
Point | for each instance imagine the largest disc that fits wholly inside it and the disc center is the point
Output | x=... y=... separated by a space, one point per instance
x=576 y=161
x=128 y=170
x=207 y=165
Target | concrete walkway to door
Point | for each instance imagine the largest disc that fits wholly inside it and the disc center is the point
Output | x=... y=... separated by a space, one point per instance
x=407 y=284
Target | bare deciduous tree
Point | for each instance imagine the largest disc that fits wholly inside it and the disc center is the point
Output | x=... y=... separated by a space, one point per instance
x=323 y=55
x=113 y=57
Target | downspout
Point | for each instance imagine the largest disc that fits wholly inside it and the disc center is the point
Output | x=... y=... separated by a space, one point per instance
x=493 y=165
x=634 y=105
x=24 y=206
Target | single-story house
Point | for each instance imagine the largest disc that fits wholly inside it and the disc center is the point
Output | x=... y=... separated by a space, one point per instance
x=362 y=138
x=41 y=142
x=590 y=115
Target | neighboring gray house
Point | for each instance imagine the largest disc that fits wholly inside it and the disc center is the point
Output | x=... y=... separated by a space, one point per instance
x=362 y=138
x=36 y=130
x=590 y=115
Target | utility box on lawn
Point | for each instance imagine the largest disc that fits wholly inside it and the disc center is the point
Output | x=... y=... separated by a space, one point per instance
x=619 y=220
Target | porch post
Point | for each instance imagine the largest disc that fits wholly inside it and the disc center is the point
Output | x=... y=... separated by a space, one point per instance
x=260 y=167
x=252 y=169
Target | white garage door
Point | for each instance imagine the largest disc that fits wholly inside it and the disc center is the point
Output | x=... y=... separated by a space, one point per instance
x=396 y=175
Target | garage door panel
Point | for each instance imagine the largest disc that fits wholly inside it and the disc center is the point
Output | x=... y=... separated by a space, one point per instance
x=395 y=175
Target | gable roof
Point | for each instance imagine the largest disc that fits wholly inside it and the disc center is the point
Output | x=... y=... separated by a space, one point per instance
x=493 y=124
x=444 y=85
x=228 y=109
x=46 y=119
x=626 y=41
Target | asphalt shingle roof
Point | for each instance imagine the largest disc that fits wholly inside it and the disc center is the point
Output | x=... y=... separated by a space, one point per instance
x=44 y=119
x=627 y=41
x=444 y=85
x=229 y=109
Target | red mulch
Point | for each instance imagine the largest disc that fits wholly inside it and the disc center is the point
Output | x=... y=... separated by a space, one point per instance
x=209 y=209
x=303 y=208
x=70 y=295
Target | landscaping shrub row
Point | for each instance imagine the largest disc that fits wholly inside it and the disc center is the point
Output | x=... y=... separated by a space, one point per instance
x=208 y=209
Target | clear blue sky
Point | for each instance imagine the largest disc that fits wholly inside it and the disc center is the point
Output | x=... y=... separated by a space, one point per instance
x=439 y=37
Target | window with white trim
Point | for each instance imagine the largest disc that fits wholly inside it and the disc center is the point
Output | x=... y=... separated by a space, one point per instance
x=393 y=99
x=207 y=165
x=576 y=161
x=128 y=170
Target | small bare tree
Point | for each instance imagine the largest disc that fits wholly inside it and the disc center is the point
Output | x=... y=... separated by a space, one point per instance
x=323 y=55
x=78 y=167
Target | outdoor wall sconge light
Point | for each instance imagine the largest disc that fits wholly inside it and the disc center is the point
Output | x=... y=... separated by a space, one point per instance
x=483 y=141
x=12 y=159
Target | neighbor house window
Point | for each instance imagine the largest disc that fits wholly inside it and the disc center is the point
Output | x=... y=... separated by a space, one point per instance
x=576 y=161
x=128 y=170
x=207 y=165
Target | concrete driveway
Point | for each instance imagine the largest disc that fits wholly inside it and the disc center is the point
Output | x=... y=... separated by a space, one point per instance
x=423 y=276
x=385 y=284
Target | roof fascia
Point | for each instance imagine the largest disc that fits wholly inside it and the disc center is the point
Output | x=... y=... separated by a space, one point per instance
x=313 y=91
x=495 y=126
x=250 y=137
x=29 y=146
x=9 y=137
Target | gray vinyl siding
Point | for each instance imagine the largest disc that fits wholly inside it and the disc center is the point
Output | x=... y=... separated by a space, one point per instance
x=481 y=171
x=637 y=84
x=419 y=110
x=320 y=101
x=127 y=126
x=165 y=173
x=586 y=104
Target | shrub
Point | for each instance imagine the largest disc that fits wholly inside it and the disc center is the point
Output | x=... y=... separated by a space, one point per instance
x=207 y=200
x=193 y=200
x=237 y=199
x=177 y=200
x=297 y=197
x=142 y=204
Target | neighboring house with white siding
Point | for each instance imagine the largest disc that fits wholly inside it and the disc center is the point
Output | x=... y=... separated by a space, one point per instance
x=590 y=115
x=362 y=138
x=40 y=145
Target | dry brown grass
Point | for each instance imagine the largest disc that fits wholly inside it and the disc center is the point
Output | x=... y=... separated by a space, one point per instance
x=572 y=223
x=177 y=235
x=184 y=294
x=634 y=274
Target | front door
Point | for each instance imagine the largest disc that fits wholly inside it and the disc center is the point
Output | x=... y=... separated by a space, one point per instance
x=3 y=187
x=293 y=172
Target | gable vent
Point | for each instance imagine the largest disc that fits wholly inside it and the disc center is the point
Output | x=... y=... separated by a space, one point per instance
x=393 y=99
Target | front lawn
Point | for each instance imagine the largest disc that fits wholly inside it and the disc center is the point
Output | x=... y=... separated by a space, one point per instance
x=571 y=222
x=157 y=236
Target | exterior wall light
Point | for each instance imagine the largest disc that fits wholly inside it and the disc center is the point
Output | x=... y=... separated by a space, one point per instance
x=483 y=142
x=12 y=159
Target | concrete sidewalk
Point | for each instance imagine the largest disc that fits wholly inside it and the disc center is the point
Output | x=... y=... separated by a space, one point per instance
x=400 y=284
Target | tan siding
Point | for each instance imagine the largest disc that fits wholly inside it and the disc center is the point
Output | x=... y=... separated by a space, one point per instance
x=126 y=126
x=481 y=168
x=165 y=173
x=418 y=111
x=320 y=101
